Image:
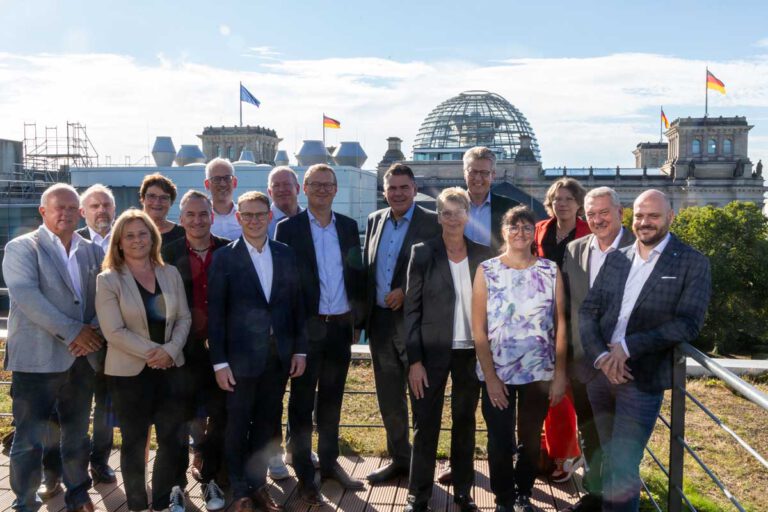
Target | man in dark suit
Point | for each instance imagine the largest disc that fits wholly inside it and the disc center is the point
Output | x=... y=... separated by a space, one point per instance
x=192 y=256
x=53 y=347
x=256 y=341
x=647 y=298
x=582 y=262
x=327 y=247
x=486 y=209
x=388 y=239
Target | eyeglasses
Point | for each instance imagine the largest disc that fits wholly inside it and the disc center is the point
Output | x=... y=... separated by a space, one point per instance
x=527 y=229
x=317 y=186
x=249 y=217
x=453 y=214
x=160 y=198
x=479 y=174
x=221 y=179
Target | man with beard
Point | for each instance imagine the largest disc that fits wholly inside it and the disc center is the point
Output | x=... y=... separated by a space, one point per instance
x=220 y=182
x=647 y=298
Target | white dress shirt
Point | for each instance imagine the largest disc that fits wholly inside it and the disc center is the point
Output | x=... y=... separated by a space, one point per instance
x=638 y=275
x=225 y=225
x=69 y=260
x=462 y=309
x=101 y=241
x=597 y=256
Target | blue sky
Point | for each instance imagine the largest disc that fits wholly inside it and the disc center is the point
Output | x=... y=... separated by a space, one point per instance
x=589 y=75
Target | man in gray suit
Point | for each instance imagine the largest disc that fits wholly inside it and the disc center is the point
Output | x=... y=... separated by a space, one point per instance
x=583 y=259
x=53 y=346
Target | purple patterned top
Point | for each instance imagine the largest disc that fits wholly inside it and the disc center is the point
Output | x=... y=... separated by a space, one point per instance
x=521 y=320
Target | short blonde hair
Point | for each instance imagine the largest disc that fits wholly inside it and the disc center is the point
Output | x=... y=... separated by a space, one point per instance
x=319 y=168
x=253 y=195
x=455 y=195
x=573 y=186
x=479 y=153
x=114 y=259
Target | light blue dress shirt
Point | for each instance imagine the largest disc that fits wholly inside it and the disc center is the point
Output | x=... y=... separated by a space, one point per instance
x=389 y=248
x=478 y=229
x=333 y=295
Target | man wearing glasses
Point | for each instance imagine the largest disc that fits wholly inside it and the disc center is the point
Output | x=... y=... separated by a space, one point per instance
x=220 y=182
x=327 y=248
x=256 y=341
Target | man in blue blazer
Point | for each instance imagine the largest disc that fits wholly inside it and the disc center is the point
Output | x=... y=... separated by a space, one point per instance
x=256 y=341
x=647 y=298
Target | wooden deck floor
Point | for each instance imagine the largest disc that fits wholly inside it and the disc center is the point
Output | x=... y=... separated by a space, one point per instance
x=390 y=497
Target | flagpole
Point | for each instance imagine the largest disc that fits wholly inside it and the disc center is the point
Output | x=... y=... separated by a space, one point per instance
x=661 y=122
x=706 y=92
x=239 y=93
x=324 y=148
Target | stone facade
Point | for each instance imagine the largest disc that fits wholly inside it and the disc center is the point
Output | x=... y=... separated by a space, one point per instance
x=650 y=154
x=230 y=141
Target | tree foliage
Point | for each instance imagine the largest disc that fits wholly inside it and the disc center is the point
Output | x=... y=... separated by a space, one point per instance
x=734 y=240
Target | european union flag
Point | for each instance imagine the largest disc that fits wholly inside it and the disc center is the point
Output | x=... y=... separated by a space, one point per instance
x=247 y=97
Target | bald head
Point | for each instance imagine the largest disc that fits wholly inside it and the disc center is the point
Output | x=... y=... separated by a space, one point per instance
x=652 y=216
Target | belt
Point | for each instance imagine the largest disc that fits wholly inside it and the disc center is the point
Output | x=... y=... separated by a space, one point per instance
x=344 y=317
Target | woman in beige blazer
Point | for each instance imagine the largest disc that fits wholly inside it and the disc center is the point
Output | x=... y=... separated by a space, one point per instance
x=143 y=313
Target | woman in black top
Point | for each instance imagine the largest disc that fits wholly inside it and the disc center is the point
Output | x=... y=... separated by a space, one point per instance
x=157 y=194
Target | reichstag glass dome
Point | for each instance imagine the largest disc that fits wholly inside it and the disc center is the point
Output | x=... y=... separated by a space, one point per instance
x=473 y=118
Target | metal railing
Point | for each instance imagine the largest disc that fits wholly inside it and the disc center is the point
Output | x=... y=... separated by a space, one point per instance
x=679 y=447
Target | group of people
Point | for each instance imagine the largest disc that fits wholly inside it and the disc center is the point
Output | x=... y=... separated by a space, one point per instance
x=564 y=325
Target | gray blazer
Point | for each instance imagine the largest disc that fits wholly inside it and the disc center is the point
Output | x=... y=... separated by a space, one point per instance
x=45 y=315
x=576 y=277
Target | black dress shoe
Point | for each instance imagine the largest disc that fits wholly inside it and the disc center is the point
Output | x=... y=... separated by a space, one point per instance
x=385 y=473
x=263 y=501
x=336 y=472
x=310 y=495
x=412 y=505
x=103 y=474
x=48 y=490
x=465 y=503
x=587 y=503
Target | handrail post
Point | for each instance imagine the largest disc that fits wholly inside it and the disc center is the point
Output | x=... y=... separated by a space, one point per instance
x=676 y=431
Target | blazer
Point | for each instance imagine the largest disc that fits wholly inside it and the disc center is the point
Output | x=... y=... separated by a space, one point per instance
x=669 y=310
x=175 y=253
x=45 y=314
x=499 y=206
x=575 y=273
x=240 y=316
x=582 y=230
x=423 y=226
x=83 y=232
x=296 y=232
x=430 y=301
x=123 y=319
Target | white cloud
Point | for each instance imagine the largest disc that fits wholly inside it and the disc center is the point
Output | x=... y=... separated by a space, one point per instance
x=224 y=30
x=263 y=52
x=762 y=43
x=589 y=111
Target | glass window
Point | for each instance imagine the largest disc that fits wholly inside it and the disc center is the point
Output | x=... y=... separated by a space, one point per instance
x=231 y=153
x=711 y=146
x=696 y=147
x=727 y=146
x=218 y=150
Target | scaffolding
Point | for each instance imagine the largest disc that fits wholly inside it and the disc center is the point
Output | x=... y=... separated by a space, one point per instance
x=47 y=151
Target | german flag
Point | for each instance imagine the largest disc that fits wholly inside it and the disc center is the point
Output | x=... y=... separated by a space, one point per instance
x=714 y=83
x=664 y=119
x=329 y=122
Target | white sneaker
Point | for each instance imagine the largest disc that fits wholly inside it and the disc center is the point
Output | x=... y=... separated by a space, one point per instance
x=177 y=500
x=277 y=468
x=569 y=468
x=288 y=458
x=214 y=498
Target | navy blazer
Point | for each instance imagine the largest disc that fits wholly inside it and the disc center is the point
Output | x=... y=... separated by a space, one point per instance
x=669 y=310
x=430 y=301
x=240 y=315
x=296 y=233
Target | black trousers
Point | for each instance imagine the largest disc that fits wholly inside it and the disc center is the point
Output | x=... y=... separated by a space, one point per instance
x=252 y=410
x=153 y=397
x=204 y=393
x=327 y=367
x=528 y=406
x=390 y=371
x=428 y=412
x=590 y=439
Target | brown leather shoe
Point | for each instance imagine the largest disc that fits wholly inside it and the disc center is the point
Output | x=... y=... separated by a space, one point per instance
x=446 y=477
x=87 y=507
x=243 y=505
x=311 y=495
x=264 y=502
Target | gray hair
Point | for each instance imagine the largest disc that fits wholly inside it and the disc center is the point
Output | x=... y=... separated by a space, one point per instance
x=455 y=195
x=55 y=188
x=194 y=194
x=602 y=192
x=281 y=168
x=479 y=153
x=217 y=162
x=93 y=189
